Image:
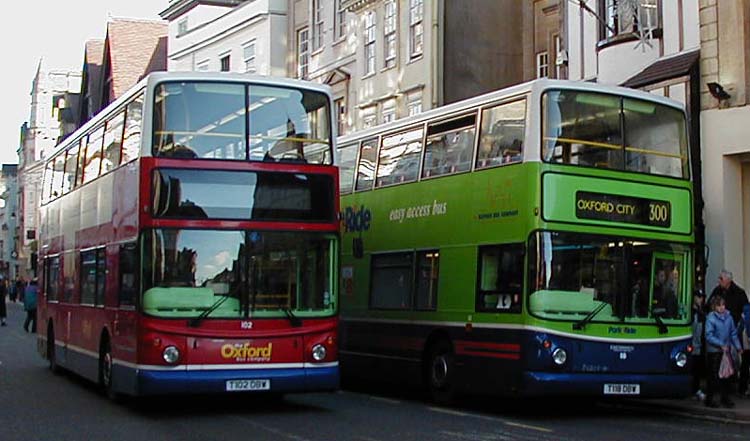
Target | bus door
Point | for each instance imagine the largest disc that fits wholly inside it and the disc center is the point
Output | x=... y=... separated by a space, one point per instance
x=667 y=285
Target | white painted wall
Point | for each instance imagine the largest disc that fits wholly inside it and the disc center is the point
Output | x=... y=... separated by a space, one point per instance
x=227 y=33
x=616 y=63
x=725 y=143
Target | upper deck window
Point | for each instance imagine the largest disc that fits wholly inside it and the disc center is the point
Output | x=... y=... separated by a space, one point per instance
x=231 y=121
x=501 y=136
x=399 y=158
x=607 y=131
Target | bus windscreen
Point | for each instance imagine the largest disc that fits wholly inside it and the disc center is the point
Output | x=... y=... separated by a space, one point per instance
x=607 y=131
x=205 y=120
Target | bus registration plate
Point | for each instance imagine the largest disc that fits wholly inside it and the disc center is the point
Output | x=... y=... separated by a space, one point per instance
x=622 y=389
x=237 y=385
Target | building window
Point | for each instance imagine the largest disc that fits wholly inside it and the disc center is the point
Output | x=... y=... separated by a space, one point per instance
x=318 y=24
x=416 y=29
x=248 y=53
x=224 y=62
x=339 y=21
x=303 y=52
x=370 y=42
x=389 y=111
x=414 y=103
x=626 y=17
x=389 y=33
x=182 y=26
x=202 y=66
x=542 y=64
x=340 y=106
x=369 y=117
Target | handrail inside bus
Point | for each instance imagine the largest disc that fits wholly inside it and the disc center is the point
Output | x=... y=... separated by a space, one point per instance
x=236 y=135
x=614 y=147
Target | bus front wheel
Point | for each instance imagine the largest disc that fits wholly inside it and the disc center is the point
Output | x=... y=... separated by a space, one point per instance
x=441 y=372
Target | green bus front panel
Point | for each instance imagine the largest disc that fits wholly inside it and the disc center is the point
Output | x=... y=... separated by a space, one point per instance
x=588 y=201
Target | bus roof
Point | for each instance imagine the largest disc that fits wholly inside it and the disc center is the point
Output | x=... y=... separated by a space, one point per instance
x=535 y=87
x=154 y=78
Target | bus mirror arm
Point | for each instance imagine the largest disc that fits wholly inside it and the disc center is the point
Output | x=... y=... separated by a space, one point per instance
x=658 y=313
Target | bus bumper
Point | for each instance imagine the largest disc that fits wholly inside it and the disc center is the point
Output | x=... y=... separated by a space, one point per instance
x=306 y=379
x=651 y=385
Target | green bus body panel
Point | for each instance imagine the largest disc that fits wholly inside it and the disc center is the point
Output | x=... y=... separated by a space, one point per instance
x=485 y=206
x=559 y=200
x=459 y=213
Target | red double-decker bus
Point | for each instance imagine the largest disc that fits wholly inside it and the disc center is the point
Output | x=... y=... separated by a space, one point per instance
x=189 y=240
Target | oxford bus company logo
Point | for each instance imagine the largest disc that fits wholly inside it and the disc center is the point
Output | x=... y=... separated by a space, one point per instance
x=247 y=352
x=356 y=219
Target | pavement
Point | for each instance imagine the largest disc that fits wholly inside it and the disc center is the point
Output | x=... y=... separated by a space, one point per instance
x=695 y=408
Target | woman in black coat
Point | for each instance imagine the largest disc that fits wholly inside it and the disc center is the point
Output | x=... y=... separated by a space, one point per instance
x=3 y=310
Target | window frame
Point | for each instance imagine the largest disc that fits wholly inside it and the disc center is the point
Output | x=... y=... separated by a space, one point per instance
x=339 y=21
x=610 y=31
x=318 y=24
x=542 y=64
x=250 y=66
x=48 y=285
x=225 y=62
x=303 y=53
x=390 y=40
x=416 y=29
x=412 y=268
x=99 y=257
x=369 y=40
x=401 y=132
x=516 y=304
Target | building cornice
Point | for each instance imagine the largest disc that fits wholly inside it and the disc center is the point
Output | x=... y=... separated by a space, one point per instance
x=356 y=5
x=177 y=8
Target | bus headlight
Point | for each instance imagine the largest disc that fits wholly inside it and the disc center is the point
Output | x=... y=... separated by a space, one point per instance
x=681 y=359
x=319 y=352
x=171 y=354
x=559 y=356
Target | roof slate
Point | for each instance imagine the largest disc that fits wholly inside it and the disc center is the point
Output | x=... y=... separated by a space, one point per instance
x=664 y=69
x=135 y=48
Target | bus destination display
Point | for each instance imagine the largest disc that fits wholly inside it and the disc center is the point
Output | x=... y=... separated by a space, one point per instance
x=626 y=209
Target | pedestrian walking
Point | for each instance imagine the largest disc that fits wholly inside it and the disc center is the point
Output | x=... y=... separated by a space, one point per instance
x=20 y=287
x=29 y=304
x=3 y=309
x=698 y=355
x=721 y=337
x=736 y=299
x=12 y=292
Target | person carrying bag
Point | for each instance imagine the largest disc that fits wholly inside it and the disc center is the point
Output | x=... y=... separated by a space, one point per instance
x=721 y=338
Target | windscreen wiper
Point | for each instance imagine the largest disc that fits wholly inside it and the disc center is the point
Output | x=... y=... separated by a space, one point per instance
x=293 y=319
x=195 y=322
x=582 y=324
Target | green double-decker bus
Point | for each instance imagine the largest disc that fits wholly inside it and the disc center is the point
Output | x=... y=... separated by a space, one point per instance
x=536 y=240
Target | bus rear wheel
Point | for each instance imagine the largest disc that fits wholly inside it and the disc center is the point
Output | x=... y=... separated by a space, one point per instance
x=105 y=370
x=440 y=372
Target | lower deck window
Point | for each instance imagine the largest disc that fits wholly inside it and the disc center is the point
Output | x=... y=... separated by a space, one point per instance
x=500 y=278
x=406 y=280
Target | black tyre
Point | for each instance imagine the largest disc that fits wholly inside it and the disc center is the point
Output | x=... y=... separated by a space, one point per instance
x=105 y=370
x=440 y=372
